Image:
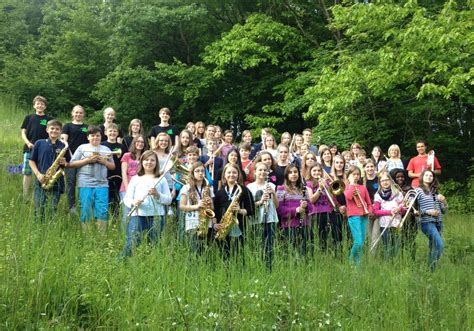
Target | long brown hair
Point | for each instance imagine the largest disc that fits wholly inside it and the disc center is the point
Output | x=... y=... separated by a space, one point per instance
x=193 y=194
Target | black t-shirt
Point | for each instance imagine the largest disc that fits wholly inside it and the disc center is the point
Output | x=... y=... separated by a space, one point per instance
x=127 y=142
x=222 y=202
x=171 y=130
x=280 y=174
x=35 y=126
x=77 y=135
x=114 y=147
x=197 y=143
x=372 y=186
x=104 y=136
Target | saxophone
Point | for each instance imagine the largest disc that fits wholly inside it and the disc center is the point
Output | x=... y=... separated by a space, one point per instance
x=54 y=172
x=230 y=217
x=205 y=212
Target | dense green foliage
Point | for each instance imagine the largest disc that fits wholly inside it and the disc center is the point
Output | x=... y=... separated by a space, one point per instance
x=55 y=276
x=379 y=73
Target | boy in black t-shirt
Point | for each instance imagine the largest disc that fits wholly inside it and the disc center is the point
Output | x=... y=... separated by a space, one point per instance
x=114 y=177
x=75 y=133
x=33 y=128
x=164 y=126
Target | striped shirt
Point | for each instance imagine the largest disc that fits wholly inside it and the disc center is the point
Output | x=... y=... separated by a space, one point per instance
x=429 y=202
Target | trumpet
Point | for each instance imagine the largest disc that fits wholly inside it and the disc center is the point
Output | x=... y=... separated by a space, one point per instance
x=106 y=155
x=359 y=201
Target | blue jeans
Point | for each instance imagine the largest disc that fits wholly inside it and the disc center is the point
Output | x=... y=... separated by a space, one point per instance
x=433 y=231
x=357 y=225
x=139 y=225
x=42 y=204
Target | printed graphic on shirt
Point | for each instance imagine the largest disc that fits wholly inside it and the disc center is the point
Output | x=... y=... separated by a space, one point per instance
x=44 y=122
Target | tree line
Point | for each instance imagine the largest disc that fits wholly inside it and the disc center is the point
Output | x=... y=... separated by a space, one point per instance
x=376 y=73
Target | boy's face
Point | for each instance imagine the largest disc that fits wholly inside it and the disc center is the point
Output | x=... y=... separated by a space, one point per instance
x=53 y=131
x=109 y=116
x=94 y=138
x=307 y=136
x=112 y=134
x=421 y=148
x=244 y=153
x=211 y=146
x=164 y=116
x=192 y=158
x=361 y=158
x=39 y=106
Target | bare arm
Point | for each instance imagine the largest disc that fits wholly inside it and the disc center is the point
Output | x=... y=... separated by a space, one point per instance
x=25 y=139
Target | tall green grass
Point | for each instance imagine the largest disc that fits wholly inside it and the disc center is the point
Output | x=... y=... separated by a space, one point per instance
x=54 y=275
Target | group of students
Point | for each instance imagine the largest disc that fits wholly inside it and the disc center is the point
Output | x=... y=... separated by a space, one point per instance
x=292 y=189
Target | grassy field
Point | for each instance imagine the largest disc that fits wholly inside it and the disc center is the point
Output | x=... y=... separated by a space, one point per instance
x=54 y=275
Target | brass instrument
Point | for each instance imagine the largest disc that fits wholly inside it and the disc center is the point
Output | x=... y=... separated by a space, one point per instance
x=359 y=201
x=431 y=160
x=106 y=155
x=328 y=194
x=408 y=202
x=205 y=211
x=55 y=171
x=336 y=186
x=229 y=219
x=178 y=168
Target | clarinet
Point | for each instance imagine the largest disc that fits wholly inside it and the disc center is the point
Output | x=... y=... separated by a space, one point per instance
x=303 y=191
x=266 y=203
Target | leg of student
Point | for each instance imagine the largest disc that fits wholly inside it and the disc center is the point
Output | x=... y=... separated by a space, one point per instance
x=336 y=232
x=133 y=235
x=267 y=237
x=357 y=225
x=125 y=211
x=40 y=203
x=27 y=175
x=431 y=230
x=101 y=204
x=323 y=230
x=71 y=188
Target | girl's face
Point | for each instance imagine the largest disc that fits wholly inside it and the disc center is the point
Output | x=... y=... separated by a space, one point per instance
x=347 y=157
x=298 y=141
x=228 y=138
x=163 y=142
x=267 y=160
x=232 y=157
x=286 y=139
x=199 y=173
x=200 y=129
x=400 y=179
x=428 y=177
x=333 y=150
x=385 y=182
x=218 y=133
x=393 y=153
x=140 y=144
x=191 y=127
x=369 y=169
x=304 y=149
x=338 y=164
x=355 y=149
x=210 y=132
x=231 y=175
x=185 y=138
x=109 y=116
x=270 y=142
x=247 y=138
x=261 y=172
x=293 y=175
x=310 y=160
x=327 y=156
x=78 y=114
x=149 y=164
x=135 y=127
x=316 y=173
x=376 y=153
x=283 y=154
x=355 y=176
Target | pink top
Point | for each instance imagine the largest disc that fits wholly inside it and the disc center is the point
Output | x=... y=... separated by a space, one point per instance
x=287 y=209
x=322 y=205
x=351 y=206
x=131 y=170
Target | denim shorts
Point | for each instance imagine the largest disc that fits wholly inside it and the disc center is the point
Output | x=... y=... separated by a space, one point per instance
x=94 y=200
x=26 y=170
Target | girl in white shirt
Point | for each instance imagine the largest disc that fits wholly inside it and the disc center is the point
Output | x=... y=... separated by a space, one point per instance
x=146 y=196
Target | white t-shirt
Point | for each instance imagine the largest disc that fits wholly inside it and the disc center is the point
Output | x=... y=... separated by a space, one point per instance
x=192 y=217
x=92 y=174
x=259 y=218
